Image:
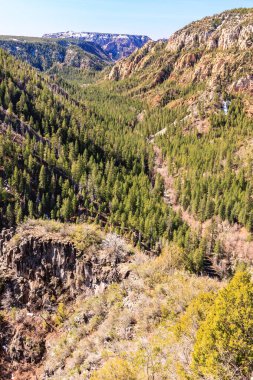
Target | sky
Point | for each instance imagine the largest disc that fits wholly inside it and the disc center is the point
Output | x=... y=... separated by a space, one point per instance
x=155 y=18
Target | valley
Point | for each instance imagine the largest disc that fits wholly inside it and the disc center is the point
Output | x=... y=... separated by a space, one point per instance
x=126 y=204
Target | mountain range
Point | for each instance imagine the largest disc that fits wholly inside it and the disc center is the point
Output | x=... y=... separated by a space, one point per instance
x=45 y=54
x=117 y=46
x=73 y=55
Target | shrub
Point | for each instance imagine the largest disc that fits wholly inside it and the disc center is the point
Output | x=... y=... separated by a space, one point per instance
x=224 y=344
x=115 y=369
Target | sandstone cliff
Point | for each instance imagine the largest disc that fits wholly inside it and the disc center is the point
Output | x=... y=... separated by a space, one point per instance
x=229 y=30
x=205 y=58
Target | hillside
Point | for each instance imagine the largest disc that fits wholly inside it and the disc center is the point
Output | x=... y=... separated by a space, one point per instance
x=82 y=303
x=103 y=169
x=199 y=88
x=117 y=46
x=200 y=66
x=76 y=154
x=58 y=55
x=63 y=156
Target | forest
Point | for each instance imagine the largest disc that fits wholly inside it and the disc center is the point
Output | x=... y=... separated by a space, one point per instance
x=77 y=154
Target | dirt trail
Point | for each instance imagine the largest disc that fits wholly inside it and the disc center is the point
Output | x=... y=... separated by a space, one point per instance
x=170 y=196
x=236 y=240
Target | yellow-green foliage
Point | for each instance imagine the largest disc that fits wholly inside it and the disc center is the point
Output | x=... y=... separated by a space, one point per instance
x=114 y=295
x=84 y=237
x=194 y=315
x=61 y=314
x=224 y=344
x=115 y=369
x=172 y=257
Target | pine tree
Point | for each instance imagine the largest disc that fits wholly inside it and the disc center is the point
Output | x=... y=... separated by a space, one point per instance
x=42 y=178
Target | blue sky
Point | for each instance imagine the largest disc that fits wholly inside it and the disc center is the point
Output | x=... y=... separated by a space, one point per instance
x=156 y=18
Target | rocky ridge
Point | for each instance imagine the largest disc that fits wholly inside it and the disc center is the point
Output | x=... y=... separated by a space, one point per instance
x=228 y=30
x=214 y=53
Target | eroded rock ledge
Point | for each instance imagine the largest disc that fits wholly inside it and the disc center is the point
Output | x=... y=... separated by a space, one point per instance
x=44 y=262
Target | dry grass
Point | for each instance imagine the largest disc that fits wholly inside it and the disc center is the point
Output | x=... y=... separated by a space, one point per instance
x=80 y=235
x=127 y=320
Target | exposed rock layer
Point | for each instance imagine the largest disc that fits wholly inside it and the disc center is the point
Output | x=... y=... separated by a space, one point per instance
x=229 y=30
x=45 y=268
x=214 y=53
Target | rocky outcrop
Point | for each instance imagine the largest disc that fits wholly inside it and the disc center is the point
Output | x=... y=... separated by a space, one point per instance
x=27 y=342
x=243 y=84
x=117 y=46
x=136 y=62
x=43 y=263
x=22 y=344
x=39 y=269
x=229 y=30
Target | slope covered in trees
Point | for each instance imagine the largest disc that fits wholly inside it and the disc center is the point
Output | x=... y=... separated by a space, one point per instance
x=102 y=166
x=74 y=156
x=199 y=89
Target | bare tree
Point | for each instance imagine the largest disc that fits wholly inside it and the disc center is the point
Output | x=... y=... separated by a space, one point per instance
x=116 y=245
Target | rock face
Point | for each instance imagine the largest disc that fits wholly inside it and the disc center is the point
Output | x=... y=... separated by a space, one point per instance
x=41 y=265
x=243 y=84
x=210 y=53
x=228 y=31
x=40 y=269
x=117 y=46
x=225 y=31
x=136 y=62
